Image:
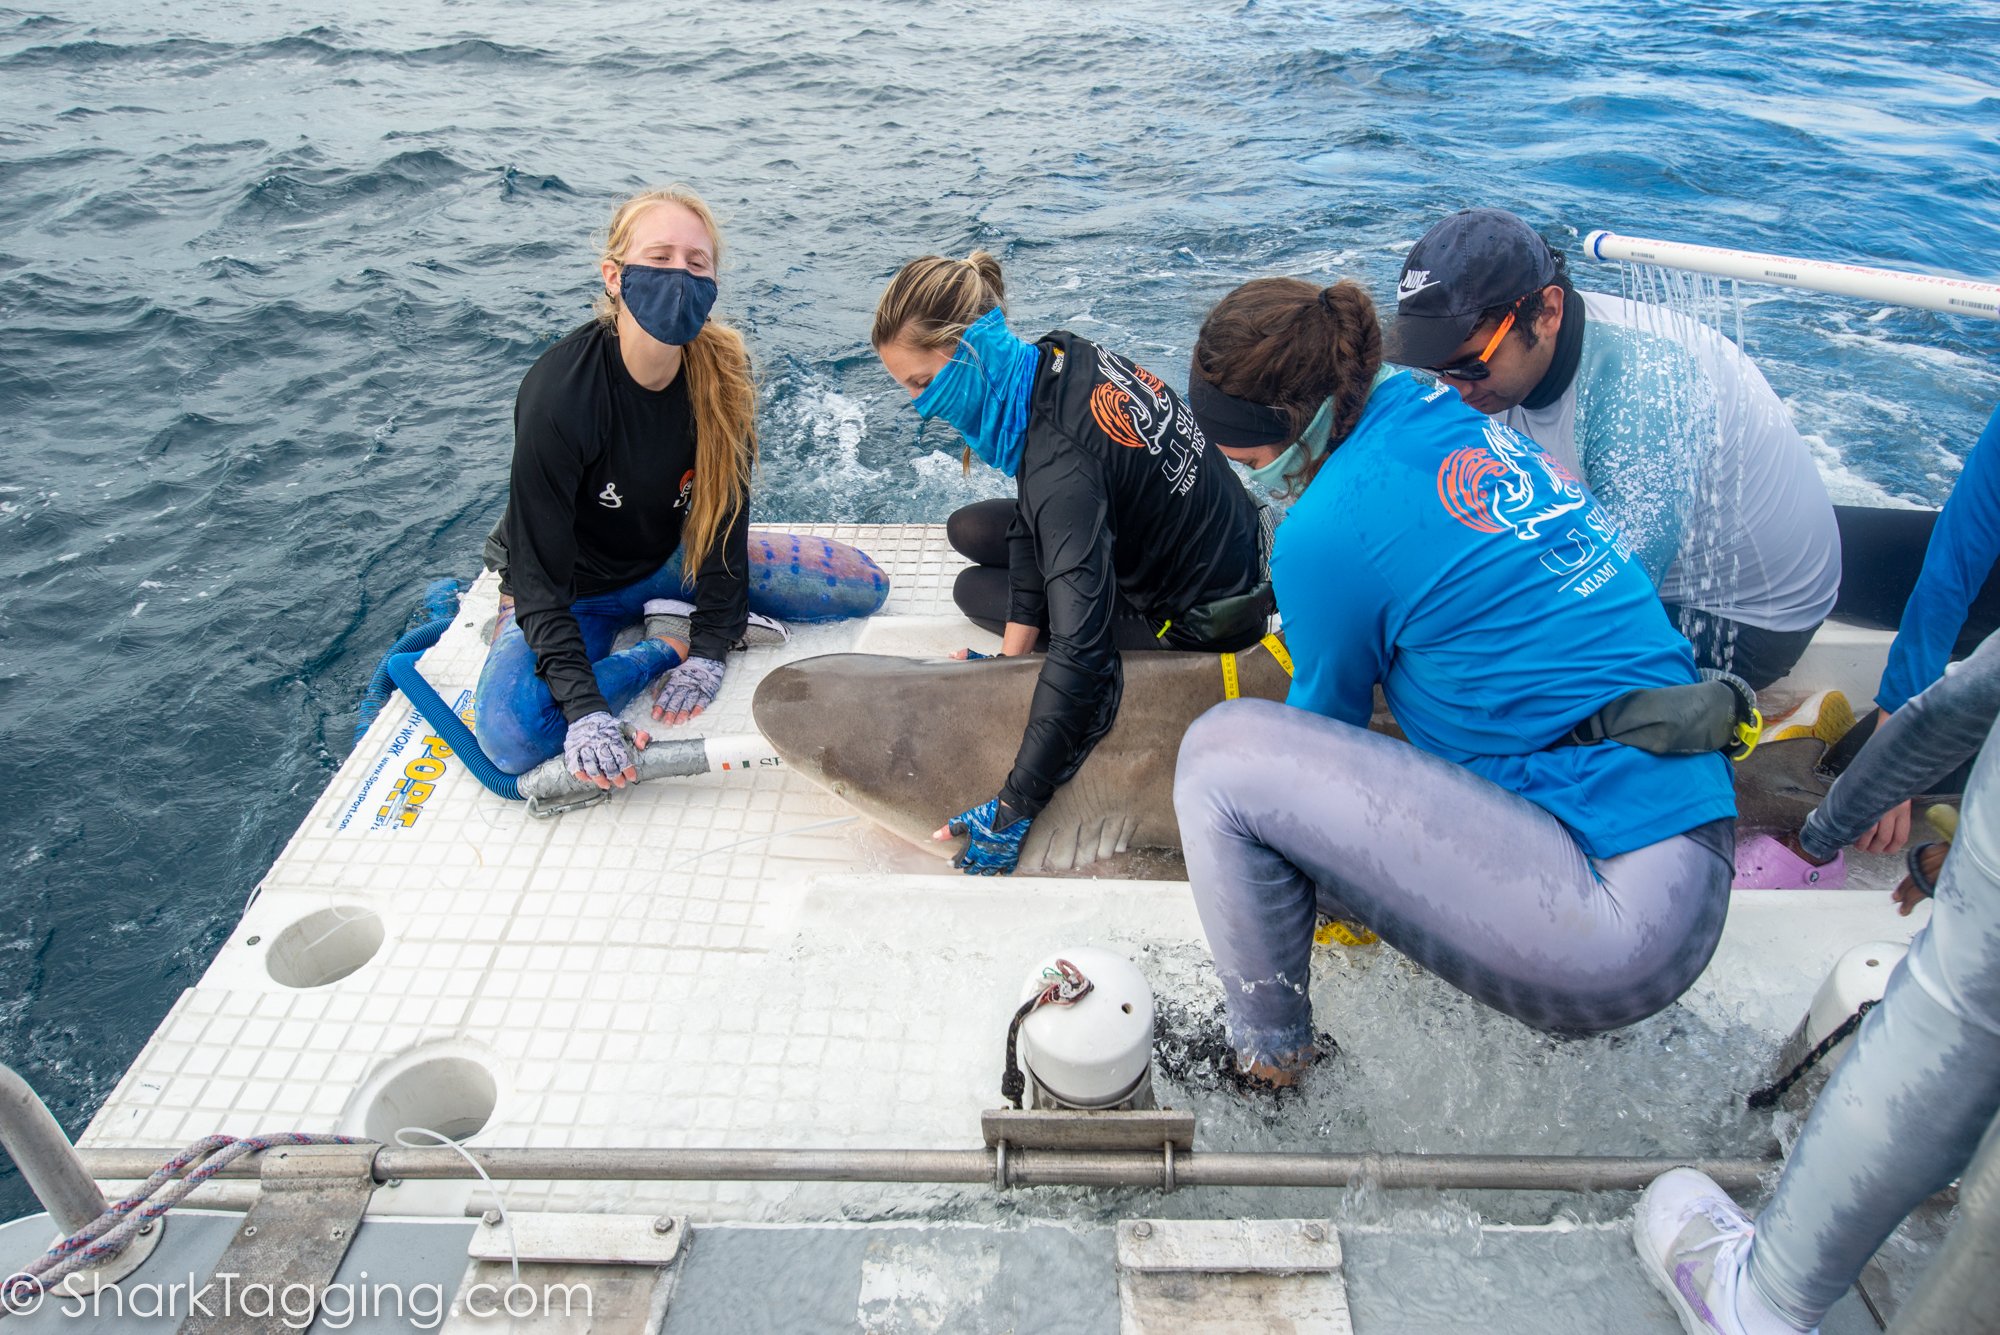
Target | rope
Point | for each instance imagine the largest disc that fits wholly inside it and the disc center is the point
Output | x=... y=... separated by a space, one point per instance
x=1771 y=1093
x=111 y=1232
x=1066 y=987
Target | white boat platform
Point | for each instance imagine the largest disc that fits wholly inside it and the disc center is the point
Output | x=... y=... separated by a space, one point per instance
x=738 y=961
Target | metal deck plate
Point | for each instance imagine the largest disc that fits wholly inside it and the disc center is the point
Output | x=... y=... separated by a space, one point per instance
x=1196 y=1276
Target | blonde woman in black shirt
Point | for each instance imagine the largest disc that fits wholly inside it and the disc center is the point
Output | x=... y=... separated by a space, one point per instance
x=634 y=440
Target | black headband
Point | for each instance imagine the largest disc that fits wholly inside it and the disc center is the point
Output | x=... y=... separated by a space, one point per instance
x=1237 y=423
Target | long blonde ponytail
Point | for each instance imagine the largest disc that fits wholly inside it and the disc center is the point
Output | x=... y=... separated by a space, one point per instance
x=721 y=390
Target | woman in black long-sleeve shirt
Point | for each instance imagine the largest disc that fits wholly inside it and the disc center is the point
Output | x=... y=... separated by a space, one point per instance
x=1125 y=513
x=634 y=440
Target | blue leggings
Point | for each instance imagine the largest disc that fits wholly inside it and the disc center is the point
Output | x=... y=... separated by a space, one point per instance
x=1905 y=1110
x=1285 y=812
x=792 y=576
x=517 y=721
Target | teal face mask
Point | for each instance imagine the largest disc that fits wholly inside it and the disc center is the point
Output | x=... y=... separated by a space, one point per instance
x=1309 y=448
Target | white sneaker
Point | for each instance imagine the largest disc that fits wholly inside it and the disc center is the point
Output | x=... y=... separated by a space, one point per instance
x=672 y=619
x=1694 y=1242
x=668 y=618
x=763 y=631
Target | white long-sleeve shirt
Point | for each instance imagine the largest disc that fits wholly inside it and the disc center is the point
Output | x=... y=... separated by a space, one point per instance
x=1688 y=448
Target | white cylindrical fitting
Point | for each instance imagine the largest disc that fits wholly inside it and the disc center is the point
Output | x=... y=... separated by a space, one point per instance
x=1098 y=1052
x=1862 y=974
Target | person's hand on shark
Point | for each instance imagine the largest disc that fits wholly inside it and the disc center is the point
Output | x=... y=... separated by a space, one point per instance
x=995 y=837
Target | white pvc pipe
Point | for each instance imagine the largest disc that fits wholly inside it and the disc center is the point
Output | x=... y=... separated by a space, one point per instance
x=1959 y=296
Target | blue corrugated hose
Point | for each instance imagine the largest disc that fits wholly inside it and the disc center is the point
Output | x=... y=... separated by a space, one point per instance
x=380 y=688
x=402 y=669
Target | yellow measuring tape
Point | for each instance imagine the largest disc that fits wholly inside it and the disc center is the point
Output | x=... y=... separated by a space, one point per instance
x=1232 y=684
x=1335 y=932
x=1278 y=651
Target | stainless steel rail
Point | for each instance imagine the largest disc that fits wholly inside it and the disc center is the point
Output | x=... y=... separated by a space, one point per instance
x=34 y=1140
x=1022 y=1167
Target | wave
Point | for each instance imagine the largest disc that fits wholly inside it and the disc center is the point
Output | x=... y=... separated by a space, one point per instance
x=295 y=192
x=319 y=46
x=95 y=54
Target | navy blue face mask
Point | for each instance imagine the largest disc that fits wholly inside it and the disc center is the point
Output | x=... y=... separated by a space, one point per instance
x=670 y=304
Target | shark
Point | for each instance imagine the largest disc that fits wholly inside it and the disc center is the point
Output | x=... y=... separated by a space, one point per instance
x=909 y=743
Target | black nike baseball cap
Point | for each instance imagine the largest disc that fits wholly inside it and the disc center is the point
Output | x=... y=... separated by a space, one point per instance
x=1471 y=262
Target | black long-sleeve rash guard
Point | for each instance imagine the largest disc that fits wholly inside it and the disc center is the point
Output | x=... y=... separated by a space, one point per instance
x=603 y=473
x=1119 y=494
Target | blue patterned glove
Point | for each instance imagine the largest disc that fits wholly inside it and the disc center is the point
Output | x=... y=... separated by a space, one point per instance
x=595 y=747
x=996 y=834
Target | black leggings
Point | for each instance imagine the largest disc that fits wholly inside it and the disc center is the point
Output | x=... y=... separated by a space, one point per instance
x=1760 y=657
x=978 y=532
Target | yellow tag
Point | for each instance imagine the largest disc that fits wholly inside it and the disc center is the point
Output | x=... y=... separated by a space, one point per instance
x=1231 y=687
x=1747 y=737
x=1278 y=651
x=1334 y=932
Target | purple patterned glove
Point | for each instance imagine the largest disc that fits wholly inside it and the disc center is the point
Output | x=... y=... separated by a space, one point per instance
x=595 y=747
x=688 y=689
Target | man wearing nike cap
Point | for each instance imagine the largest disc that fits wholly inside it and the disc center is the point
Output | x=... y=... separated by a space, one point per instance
x=1674 y=430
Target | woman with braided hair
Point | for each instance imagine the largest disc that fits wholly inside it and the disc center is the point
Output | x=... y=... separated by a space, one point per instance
x=1575 y=882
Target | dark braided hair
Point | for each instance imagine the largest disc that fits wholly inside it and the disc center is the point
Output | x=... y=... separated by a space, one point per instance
x=1293 y=346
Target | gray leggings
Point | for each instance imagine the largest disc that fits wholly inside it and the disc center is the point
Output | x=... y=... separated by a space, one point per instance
x=1905 y=1110
x=1284 y=813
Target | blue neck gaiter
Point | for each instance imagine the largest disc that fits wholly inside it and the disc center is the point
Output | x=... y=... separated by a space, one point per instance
x=984 y=391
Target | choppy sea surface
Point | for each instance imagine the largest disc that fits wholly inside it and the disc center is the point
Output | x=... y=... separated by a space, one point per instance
x=270 y=273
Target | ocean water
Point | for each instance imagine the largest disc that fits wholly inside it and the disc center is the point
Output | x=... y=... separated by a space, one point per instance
x=270 y=273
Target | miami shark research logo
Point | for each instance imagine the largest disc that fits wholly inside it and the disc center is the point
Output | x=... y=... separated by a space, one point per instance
x=1509 y=485
x=1513 y=486
x=1414 y=281
x=1134 y=408
x=609 y=497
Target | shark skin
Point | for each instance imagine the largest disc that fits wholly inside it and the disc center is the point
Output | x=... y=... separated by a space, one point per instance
x=909 y=743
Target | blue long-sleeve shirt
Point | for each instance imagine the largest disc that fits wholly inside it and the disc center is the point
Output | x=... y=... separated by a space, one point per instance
x=1964 y=546
x=1446 y=557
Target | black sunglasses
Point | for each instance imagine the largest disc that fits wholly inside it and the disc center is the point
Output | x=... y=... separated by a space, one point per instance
x=1475 y=368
